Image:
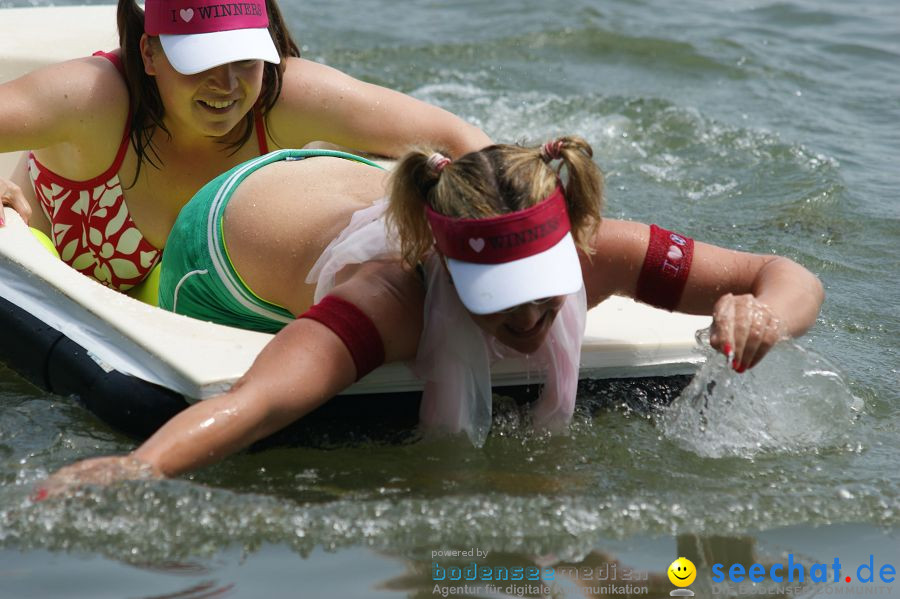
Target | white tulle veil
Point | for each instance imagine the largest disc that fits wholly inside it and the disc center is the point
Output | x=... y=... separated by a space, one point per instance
x=455 y=356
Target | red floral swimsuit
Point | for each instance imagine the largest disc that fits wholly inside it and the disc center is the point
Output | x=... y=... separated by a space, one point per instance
x=89 y=221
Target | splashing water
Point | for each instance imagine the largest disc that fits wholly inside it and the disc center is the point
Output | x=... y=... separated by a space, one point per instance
x=793 y=401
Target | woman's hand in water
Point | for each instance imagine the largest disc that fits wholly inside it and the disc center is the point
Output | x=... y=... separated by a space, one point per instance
x=11 y=195
x=745 y=329
x=95 y=471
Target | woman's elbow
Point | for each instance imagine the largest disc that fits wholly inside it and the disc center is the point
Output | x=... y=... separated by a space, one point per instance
x=465 y=138
x=810 y=283
x=809 y=295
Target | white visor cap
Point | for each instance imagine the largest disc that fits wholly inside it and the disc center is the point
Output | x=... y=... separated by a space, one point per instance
x=197 y=52
x=490 y=288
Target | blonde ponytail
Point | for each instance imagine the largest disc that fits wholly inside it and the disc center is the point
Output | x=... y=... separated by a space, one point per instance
x=583 y=190
x=495 y=180
x=411 y=182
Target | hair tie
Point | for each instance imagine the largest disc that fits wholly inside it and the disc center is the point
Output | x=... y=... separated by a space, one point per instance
x=437 y=162
x=552 y=150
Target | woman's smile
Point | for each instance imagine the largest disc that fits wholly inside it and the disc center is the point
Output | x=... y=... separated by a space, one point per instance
x=217 y=106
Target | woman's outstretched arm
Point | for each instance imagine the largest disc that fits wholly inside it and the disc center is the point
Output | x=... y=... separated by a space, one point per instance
x=319 y=103
x=755 y=300
x=303 y=366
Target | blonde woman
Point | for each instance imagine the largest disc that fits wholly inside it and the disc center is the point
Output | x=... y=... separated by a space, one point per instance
x=468 y=259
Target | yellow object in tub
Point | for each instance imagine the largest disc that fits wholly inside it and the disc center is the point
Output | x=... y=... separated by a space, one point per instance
x=146 y=291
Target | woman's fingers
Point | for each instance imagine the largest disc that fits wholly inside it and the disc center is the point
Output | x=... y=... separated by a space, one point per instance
x=721 y=336
x=771 y=331
x=741 y=332
x=753 y=319
x=95 y=471
x=748 y=326
x=11 y=195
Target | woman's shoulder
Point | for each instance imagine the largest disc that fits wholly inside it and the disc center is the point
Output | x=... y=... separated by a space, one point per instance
x=321 y=103
x=392 y=296
x=99 y=81
x=303 y=77
x=296 y=66
x=309 y=103
x=65 y=102
x=104 y=97
x=96 y=74
x=92 y=86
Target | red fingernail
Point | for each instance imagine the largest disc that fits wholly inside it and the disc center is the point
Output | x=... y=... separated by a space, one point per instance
x=40 y=495
x=741 y=369
x=734 y=364
x=727 y=349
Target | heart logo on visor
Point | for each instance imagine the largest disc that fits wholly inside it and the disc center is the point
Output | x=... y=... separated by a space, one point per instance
x=476 y=244
x=187 y=14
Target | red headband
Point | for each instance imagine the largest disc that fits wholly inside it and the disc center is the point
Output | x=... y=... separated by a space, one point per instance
x=185 y=17
x=502 y=238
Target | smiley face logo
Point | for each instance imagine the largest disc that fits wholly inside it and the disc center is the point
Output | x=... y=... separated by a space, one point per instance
x=682 y=572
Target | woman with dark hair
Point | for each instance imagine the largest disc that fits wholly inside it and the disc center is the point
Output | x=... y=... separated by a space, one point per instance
x=501 y=251
x=120 y=141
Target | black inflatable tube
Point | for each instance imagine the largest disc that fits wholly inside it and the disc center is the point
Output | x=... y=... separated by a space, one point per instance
x=55 y=363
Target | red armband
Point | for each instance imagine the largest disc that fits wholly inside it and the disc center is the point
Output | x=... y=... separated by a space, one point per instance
x=354 y=328
x=666 y=268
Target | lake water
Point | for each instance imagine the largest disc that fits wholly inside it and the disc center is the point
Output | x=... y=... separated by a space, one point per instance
x=766 y=126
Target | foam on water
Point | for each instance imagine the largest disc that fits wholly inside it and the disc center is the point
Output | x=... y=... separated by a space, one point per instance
x=793 y=401
x=676 y=148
